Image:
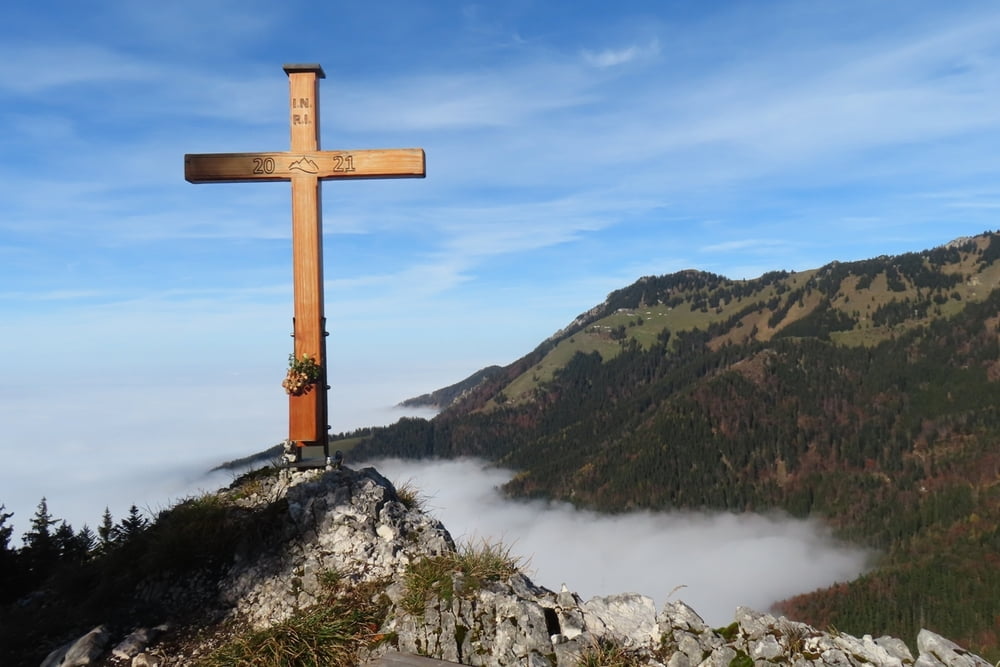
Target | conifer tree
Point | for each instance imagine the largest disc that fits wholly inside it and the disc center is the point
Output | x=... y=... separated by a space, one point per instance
x=5 y=531
x=132 y=525
x=87 y=540
x=10 y=562
x=64 y=540
x=106 y=532
x=40 y=549
x=73 y=547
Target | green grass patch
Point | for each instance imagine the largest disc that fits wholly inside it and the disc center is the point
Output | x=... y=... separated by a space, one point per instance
x=411 y=497
x=641 y=324
x=434 y=577
x=728 y=632
x=346 y=444
x=741 y=660
x=330 y=633
x=197 y=532
x=524 y=385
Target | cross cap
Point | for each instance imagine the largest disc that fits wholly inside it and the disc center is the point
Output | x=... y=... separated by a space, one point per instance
x=295 y=68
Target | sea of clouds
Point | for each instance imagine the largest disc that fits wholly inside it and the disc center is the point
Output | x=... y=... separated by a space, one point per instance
x=714 y=562
x=117 y=446
x=90 y=445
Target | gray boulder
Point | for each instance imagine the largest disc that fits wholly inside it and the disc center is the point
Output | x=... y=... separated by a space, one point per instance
x=83 y=651
x=935 y=650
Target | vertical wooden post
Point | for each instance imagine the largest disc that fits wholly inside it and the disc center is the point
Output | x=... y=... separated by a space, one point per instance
x=306 y=166
x=307 y=414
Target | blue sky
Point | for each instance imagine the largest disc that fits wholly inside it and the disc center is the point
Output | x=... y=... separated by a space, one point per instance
x=572 y=147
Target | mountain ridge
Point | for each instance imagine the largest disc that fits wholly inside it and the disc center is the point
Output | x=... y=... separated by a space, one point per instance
x=862 y=392
x=447 y=396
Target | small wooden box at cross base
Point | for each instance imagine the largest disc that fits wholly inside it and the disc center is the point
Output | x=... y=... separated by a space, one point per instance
x=305 y=166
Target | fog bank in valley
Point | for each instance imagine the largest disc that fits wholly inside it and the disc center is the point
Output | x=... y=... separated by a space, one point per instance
x=113 y=443
x=714 y=562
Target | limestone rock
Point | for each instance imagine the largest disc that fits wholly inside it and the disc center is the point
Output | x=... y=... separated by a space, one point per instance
x=896 y=648
x=136 y=642
x=753 y=624
x=628 y=617
x=678 y=615
x=936 y=650
x=766 y=648
x=341 y=521
x=83 y=651
x=146 y=660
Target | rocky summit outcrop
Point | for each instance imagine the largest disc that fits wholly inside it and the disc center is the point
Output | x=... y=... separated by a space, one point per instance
x=517 y=623
x=352 y=523
x=356 y=526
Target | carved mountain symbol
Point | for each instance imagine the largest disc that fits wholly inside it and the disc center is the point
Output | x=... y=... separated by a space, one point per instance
x=304 y=164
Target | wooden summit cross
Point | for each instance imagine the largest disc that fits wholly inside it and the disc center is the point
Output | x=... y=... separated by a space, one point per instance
x=305 y=165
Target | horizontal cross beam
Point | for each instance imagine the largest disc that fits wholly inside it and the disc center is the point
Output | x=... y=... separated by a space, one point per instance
x=325 y=165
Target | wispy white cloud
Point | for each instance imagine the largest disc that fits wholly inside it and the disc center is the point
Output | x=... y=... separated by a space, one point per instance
x=614 y=57
x=223 y=27
x=836 y=100
x=54 y=295
x=748 y=244
x=463 y=100
x=62 y=66
x=501 y=229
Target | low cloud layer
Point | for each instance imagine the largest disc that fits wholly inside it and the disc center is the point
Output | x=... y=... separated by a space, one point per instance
x=115 y=442
x=713 y=562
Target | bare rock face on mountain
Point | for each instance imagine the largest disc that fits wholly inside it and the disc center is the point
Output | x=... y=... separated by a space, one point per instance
x=356 y=526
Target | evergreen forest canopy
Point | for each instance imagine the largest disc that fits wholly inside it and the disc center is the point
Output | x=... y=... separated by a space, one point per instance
x=866 y=393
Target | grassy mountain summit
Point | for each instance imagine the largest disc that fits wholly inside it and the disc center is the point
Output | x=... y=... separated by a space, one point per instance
x=863 y=392
x=849 y=303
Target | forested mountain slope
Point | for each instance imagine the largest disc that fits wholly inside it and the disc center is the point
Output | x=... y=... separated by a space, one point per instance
x=447 y=396
x=863 y=392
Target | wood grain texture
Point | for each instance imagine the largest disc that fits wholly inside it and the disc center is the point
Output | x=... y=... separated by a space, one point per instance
x=307 y=413
x=325 y=165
